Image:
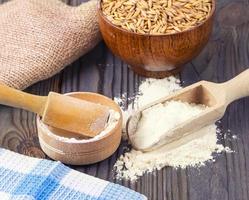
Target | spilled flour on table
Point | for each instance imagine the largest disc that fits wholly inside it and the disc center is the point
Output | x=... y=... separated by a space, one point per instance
x=192 y=150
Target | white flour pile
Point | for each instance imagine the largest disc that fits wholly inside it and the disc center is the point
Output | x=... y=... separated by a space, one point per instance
x=164 y=117
x=192 y=150
x=149 y=91
x=153 y=89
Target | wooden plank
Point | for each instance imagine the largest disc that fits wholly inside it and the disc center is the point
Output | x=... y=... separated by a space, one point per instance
x=99 y=71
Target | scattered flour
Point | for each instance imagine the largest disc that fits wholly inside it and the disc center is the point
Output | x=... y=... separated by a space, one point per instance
x=234 y=137
x=193 y=153
x=153 y=89
x=192 y=150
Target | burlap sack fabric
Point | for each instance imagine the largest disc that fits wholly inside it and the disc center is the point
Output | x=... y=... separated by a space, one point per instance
x=40 y=37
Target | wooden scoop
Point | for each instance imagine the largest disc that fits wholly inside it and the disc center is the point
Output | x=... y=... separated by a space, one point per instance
x=60 y=111
x=215 y=96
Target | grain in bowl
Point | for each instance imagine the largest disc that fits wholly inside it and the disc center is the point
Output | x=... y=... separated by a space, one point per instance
x=156 y=16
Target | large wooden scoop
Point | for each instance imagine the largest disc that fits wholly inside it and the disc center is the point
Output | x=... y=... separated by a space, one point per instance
x=215 y=96
x=60 y=111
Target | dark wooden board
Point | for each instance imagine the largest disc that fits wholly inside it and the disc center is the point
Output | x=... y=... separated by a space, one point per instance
x=226 y=54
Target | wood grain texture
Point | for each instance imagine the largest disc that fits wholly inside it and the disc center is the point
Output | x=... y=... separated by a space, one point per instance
x=75 y=153
x=155 y=55
x=226 y=54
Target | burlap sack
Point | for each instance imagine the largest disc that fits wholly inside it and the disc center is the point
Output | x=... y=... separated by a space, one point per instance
x=40 y=37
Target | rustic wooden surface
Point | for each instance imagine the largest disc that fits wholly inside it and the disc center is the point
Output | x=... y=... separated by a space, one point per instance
x=226 y=54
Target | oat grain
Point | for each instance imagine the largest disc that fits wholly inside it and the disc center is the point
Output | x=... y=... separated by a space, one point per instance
x=156 y=16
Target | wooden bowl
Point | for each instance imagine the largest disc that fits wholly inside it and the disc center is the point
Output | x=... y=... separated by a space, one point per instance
x=78 y=152
x=155 y=55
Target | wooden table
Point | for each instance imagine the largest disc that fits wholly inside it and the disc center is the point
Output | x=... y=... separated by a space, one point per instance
x=226 y=54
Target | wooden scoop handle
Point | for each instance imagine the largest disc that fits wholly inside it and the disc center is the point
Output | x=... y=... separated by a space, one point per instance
x=19 y=99
x=236 y=88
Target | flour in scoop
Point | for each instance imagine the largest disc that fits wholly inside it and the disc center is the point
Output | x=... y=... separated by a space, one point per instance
x=164 y=117
x=192 y=150
x=149 y=91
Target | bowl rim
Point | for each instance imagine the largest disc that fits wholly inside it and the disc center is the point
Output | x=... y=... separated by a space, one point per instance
x=155 y=35
x=80 y=142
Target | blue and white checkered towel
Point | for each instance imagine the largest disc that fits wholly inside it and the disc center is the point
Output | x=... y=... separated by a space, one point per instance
x=26 y=178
